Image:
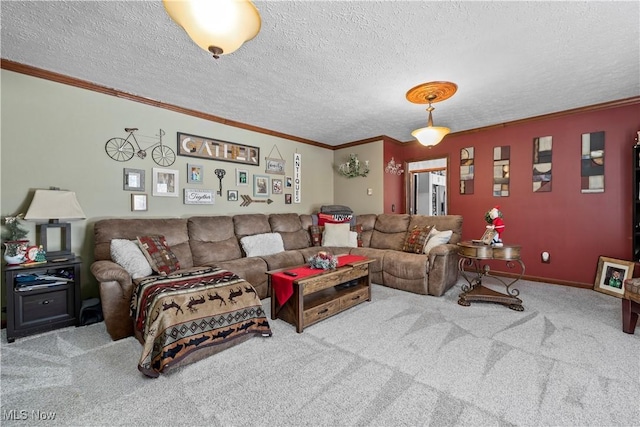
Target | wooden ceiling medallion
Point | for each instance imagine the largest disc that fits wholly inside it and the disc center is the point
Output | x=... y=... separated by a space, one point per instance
x=431 y=92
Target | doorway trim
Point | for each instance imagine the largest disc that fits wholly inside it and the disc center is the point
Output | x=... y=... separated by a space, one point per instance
x=409 y=179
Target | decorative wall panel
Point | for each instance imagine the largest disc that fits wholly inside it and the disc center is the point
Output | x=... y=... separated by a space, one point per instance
x=501 y=171
x=466 y=170
x=542 y=148
x=592 y=160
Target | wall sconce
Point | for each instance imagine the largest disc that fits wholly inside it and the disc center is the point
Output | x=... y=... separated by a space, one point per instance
x=219 y=27
x=354 y=167
x=53 y=205
x=394 y=168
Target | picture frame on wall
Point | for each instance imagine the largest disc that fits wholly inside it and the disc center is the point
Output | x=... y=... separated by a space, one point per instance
x=287 y=199
x=611 y=275
x=260 y=186
x=165 y=182
x=288 y=182
x=276 y=186
x=133 y=179
x=232 y=195
x=198 y=197
x=195 y=173
x=138 y=202
x=242 y=177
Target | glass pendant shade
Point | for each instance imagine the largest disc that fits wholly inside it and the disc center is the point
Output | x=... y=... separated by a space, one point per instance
x=217 y=26
x=430 y=135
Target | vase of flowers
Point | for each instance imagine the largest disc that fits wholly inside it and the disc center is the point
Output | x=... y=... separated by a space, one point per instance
x=323 y=260
x=14 y=240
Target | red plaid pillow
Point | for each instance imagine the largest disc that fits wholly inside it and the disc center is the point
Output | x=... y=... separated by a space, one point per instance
x=159 y=255
x=416 y=239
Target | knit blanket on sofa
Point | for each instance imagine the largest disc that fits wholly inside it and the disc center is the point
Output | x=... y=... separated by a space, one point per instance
x=190 y=310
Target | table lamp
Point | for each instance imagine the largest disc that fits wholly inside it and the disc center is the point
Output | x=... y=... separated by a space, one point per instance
x=53 y=205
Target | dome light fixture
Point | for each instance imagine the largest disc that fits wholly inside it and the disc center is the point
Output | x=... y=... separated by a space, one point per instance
x=217 y=26
x=428 y=93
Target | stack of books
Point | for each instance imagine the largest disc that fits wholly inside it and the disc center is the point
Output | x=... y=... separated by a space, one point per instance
x=30 y=282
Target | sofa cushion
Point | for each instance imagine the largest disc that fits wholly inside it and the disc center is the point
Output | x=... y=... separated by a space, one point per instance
x=324 y=218
x=315 y=234
x=212 y=239
x=290 y=228
x=130 y=257
x=437 y=238
x=250 y=224
x=389 y=231
x=262 y=244
x=441 y=222
x=337 y=235
x=159 y=254
x=416 y=239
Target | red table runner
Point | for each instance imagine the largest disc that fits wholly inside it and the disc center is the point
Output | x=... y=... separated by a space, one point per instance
x=282 y=285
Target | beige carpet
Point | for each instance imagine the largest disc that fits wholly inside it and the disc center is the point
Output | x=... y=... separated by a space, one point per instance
x=402 y=359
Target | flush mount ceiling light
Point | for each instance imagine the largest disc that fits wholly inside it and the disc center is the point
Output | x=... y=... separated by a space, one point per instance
x=429 y=93
x=217 y=26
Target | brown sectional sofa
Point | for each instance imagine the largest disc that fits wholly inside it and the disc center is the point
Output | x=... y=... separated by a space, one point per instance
x=215 y=241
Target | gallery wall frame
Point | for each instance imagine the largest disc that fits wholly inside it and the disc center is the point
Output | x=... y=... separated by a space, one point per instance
x=133 y=179
x=242 y=177
x=194 y=196
x=203 y=147
x=276 y=186
x=501 y=170
x=195 y=173
x=232 y=195
x=611 y=275
x=165 y=182
x=261 y=186
x=138 y=202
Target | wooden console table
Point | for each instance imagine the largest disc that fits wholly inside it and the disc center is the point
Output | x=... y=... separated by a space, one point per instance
x=475 y=257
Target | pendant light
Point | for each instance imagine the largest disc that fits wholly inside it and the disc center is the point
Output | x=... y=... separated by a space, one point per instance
x=428 y=93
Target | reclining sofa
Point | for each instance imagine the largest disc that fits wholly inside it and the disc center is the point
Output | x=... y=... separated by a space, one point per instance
x=215 y=241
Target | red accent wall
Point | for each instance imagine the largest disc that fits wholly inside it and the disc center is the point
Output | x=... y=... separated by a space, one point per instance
x=575 y=228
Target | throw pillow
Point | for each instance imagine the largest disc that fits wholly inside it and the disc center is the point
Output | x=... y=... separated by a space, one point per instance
x=416 y=239
x=336 y=235
x=128 y=255
x=316 y=234
x=159 y=255
x=262 y=244
x=437 y=238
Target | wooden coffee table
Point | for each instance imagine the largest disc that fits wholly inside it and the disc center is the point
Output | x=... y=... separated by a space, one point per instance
x=322 y=294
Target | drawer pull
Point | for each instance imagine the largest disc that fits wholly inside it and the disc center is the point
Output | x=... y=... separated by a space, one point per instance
x=45 y=302
x=355 y=298
x=323 y=311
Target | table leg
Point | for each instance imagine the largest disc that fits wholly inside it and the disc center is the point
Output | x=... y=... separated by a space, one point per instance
x=473 y=290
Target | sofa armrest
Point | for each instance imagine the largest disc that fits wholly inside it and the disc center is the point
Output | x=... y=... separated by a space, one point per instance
x=443 y=268
x=116 y=289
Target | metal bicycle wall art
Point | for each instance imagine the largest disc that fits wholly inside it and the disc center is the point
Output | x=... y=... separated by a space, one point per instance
x=122 y=149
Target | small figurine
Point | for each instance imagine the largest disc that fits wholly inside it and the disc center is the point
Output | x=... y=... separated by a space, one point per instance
x=41 y=255
x=494 y=218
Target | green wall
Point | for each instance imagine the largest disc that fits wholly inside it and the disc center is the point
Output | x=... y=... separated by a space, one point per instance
x=54 y=135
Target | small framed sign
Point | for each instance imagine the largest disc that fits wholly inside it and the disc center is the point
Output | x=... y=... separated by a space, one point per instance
x=198 y=197
x=165 y=182
x=138 y=202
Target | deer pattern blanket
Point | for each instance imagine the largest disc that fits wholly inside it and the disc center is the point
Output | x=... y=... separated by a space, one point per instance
x=192 y=309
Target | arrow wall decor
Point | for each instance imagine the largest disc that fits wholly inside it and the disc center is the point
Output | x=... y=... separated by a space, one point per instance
x=247 y=200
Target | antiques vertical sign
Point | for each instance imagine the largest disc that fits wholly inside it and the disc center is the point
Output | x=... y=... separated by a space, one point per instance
x=297 y=173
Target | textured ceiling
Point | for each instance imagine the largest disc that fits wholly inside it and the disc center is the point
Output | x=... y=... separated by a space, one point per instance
x=337 y=71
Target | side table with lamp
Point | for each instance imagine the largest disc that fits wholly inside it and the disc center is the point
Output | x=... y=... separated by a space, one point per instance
x=43 y=295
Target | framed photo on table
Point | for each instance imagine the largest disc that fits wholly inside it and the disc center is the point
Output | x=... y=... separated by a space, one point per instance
x=611 y=275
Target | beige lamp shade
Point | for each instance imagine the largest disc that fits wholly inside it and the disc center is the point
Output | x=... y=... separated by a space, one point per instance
x=219 y=26
x=430 y=135
x=54 y=204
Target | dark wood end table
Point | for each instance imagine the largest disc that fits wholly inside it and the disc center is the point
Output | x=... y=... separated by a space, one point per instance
x=474 y=257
